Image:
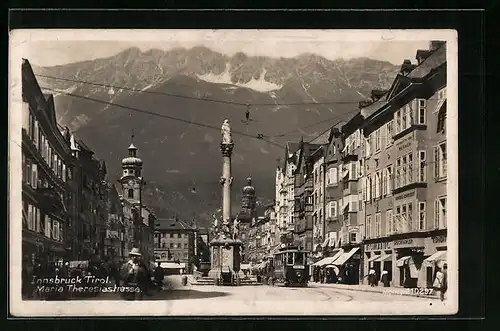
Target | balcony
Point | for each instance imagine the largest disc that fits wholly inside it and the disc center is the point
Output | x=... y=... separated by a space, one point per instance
x=349 y=156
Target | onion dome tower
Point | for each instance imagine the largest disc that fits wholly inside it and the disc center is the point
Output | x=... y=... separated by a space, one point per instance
x=248 y=199
x=131 y=179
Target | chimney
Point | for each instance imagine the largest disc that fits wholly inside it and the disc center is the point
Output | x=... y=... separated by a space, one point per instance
x=435 y=44
x=377 y=94
x=422 y=54
x=406 y=67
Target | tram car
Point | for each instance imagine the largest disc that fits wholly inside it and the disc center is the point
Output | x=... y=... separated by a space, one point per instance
x=289 y=267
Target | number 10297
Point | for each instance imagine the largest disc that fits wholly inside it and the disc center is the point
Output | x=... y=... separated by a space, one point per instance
x=421 y=291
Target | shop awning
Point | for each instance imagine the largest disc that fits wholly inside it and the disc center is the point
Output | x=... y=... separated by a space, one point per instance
x=402 y=261
x=334 y=267
x=172 y=265
x=330 y=259
x=436 y=257
x=345 y=256
x=384 y=258
x=373 y=258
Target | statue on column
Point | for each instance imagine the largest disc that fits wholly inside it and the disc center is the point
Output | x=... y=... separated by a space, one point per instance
x=226 y=133
x=236 y=228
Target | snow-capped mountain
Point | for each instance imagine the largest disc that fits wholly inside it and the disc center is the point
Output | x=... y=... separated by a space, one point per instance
x=179 y=156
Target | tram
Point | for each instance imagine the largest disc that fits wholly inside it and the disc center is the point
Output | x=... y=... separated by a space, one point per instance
x=289 y=267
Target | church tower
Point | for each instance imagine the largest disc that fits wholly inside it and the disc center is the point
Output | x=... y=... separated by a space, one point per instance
x=131 y=179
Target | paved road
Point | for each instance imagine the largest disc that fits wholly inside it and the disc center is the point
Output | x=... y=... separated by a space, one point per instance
x=312 y=293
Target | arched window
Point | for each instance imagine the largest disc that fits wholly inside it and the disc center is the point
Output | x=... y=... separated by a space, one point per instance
x=131 y=193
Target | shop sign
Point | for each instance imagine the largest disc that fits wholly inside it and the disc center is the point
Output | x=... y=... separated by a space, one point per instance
x=409 y=242
x=405 y=195
x=406 y=143
x=378 y=246
x=439 y=239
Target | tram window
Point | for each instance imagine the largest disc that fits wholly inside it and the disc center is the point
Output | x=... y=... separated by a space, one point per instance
x=299 y=258
x=289 y=258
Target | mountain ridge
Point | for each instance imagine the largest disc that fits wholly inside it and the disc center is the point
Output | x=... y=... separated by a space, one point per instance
x=179 y=156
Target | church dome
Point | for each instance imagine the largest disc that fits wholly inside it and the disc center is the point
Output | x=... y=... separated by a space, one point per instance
x=132 y=159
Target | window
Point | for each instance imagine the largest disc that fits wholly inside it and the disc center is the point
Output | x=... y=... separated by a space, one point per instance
x=409 y=178
x=378 y=227
x=410 y=217
x=64 y=172
x=389 y=133
x=171 y=245
x=440 y=161
x=368 y=149
x=388 y=222
x=377 y=184
x=422 y=109
x=332 y=176
x=47 y=226
x=368 y=188
x=185 y=245
x=179 y=235
x=398 y=173
x=440 y=213
x=333 y=208
x=36 y=134
x=31 y=217
x=368 y=226
x=353 y=237
x=421 y=167
x=34 y=175
x=389 y=182
x=55 y=230
x=130 y=193
x=26 y=116
x=397 y=223
x=377 y=140
x=421 y=216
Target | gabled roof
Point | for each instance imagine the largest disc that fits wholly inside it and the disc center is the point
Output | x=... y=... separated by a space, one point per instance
x=172 y=224
x=433 y=61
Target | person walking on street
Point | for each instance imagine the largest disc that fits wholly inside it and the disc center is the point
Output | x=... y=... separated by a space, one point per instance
x=371 y=277
x=441 y=281
x=159 y=275
x=384 y=278
x=135 y=274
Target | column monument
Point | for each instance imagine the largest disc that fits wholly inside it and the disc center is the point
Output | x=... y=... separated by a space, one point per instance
x=225 y=246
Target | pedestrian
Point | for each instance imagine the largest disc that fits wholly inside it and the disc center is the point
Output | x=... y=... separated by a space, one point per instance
x=441 y=281
x=135 y=275
x=159 y=275
x=384 y=278
x=371 y=277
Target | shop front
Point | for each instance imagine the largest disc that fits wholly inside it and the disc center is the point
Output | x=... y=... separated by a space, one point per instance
x=409 y=254
x=435 y=257
x=378 y=256
x=348 y=264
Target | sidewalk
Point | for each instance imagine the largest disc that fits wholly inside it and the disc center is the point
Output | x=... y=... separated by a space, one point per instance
x=420 y=293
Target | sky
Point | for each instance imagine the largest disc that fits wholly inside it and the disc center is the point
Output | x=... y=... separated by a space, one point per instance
x=57 y=47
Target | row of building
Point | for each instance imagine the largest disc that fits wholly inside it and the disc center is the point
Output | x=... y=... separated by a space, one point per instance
x=70 y=210
x=374 y=188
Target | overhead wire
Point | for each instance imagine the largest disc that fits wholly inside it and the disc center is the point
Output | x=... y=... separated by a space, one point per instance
x=258 y=136
x=246 y=104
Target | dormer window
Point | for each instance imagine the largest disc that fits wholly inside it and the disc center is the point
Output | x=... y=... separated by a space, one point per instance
x=130 y=193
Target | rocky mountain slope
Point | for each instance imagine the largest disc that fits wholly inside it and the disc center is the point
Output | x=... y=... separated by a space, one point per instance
x=180 y=156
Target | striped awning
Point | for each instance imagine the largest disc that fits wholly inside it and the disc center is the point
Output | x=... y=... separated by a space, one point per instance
x=345 y=256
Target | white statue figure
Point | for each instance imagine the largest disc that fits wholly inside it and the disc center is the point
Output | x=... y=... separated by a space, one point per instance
x=226 y=133
x=236 y=229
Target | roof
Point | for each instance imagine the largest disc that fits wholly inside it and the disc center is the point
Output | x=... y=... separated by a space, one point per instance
x=433 y=61
x=323 y=138
x=171 y=224
x=83 y=146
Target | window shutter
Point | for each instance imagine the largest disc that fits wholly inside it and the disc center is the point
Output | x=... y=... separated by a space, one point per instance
x=436 y=162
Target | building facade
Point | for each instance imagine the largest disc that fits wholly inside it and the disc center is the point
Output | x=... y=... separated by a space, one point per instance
x=405 y=192
x=285 y=191
x=114 y=242
x=318 y=179
x=333 y=191
x=174 y=241
x=47 y=190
